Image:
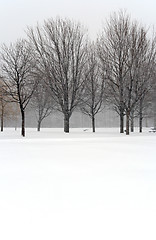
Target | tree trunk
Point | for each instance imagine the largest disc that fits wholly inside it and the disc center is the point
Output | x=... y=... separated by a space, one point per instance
x=2 y=120
x=121 y=108
x=121 y=122
x=132 y=124
x=140 y=122
x=23 y=123
x=1 y=124
x=93 y=123
x=140 y=117
x=66 y=123
x=132 y=121
x=38 y=125
x=127 y=121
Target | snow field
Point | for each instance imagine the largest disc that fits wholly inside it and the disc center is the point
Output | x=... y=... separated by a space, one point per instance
x=77 y=186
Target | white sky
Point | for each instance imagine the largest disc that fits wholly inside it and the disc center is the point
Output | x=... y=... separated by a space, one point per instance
x=16 y=15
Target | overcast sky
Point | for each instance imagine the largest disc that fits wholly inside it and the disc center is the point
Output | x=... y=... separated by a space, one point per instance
x=16 y=15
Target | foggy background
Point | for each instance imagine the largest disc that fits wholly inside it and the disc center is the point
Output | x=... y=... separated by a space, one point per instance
x=107 y=118
x=16 y=15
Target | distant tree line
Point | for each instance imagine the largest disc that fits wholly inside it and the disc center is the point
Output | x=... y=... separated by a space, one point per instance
x=58 y=68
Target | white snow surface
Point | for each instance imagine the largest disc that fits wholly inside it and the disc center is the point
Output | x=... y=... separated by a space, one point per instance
x=77 y=186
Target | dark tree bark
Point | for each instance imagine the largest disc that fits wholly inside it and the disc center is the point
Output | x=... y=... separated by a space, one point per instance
x=132 y=122
x=127 y=121
x=2 y=119
x=93 y=123
x=66 y=123
x=140 y=116
x=38 y=126
x=2 y=112
x=121 y=122
x=2 y=124
x=23 y=123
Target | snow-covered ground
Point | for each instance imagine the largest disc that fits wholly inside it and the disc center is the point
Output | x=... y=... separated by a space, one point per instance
x=77 y=186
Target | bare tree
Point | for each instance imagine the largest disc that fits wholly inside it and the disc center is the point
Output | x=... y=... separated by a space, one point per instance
x=124 y=54
x=113 y=48
x=42 y=102
x=140 y=74
x=151 y=98
x=149 y=71
x=133 y=85
x=17 y=69
x=93 y=92
x=3 y=103
x=7 y=108
x=61 y=45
